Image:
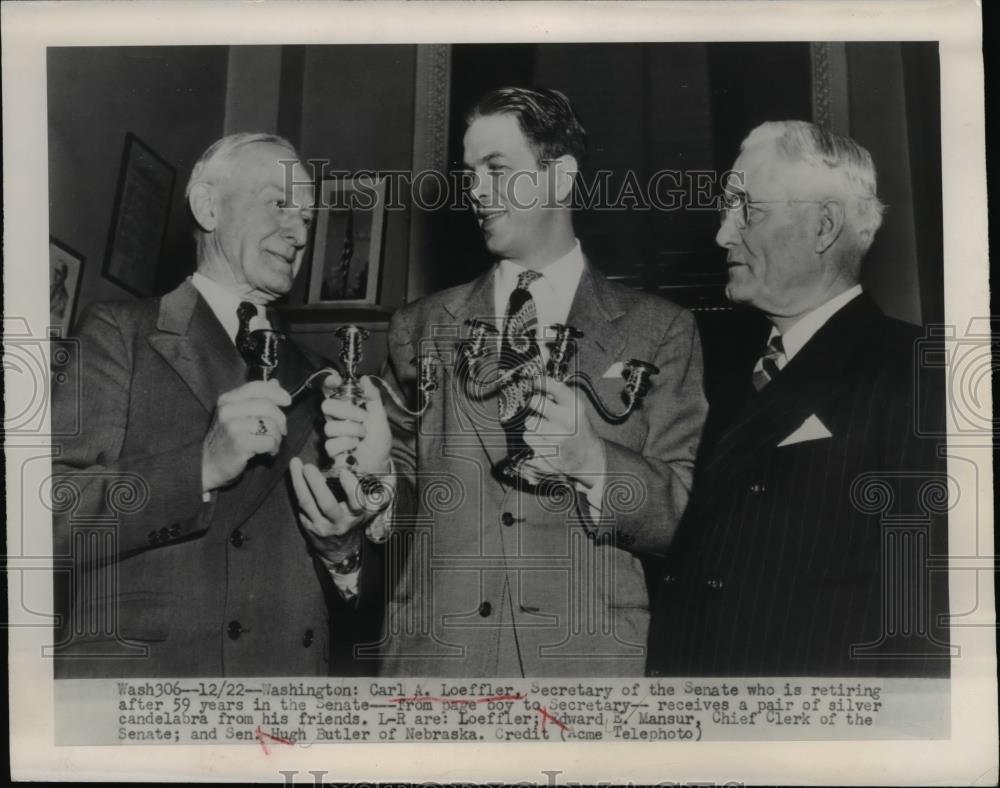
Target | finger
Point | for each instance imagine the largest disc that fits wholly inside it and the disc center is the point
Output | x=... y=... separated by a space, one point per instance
x=330 y=382
x=331 y=509
x=352 y=490
x=259 y=389
x=361 y=500
x=342 y=409
x=254 y=409
x=372 y=395
x=337 y=446
x=306 y=501
x=338 y=428
x=260 y=444
x=559 y=392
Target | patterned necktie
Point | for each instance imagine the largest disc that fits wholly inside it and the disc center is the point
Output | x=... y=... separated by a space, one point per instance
x=771 y=363
x=518 y=344
x=245 y=312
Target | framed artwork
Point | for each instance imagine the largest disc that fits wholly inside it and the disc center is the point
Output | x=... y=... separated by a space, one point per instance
x=139 y=218
x=65 y=271
x=347 y=247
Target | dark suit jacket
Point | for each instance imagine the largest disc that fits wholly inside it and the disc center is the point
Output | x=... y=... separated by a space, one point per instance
x=811 y=558
x=498 y=581
x=160 y=582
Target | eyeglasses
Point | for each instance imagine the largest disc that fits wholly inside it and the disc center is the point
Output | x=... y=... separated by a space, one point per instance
x=739 y=204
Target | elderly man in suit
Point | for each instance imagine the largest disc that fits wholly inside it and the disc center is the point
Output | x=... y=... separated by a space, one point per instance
x=536 y=573
x=793 y=559
x=204 y=570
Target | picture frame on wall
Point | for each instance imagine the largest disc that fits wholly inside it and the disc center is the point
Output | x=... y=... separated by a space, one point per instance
x=139 y=218
x=346 y=261
x=65 y=273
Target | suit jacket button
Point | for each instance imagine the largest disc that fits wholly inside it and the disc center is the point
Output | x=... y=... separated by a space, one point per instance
x=307 y=638
x=236 y=538
x=507 y=518
x=485 y=609
x=234 y=630
x=715 y=584
x=757 y=489
x=669 y=580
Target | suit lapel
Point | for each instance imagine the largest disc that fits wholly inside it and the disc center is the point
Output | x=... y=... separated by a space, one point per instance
x=302 y=419
x=477 y=302
x=809 y=382
x=594 y=311
x=191 y=340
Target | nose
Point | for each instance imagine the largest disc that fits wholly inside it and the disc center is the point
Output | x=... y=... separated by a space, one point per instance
x=481 y=187
x=295 y=230
x=728 y=234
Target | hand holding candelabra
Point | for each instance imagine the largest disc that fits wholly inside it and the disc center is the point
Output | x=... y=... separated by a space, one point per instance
x=481 y=383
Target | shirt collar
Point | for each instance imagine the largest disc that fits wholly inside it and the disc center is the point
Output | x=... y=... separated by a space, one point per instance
x=795 y=338
x=224 y=304
x=559 y=278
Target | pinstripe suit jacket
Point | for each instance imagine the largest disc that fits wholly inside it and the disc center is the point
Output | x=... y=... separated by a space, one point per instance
x=792 y=558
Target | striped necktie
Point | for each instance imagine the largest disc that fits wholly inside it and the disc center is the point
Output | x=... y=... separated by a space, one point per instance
x=770 y=364
x=518 y=344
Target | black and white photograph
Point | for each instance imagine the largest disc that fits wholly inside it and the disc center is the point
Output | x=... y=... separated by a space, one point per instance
x=546 y=387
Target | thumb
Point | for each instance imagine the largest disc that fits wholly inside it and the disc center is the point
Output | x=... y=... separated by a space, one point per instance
x=373 y=397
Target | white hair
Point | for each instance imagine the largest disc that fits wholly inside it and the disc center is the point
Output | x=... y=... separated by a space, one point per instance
x=221 y=150
x=838 y=156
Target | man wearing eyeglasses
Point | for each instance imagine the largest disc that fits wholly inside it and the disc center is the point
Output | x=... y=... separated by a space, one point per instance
x=789 y=561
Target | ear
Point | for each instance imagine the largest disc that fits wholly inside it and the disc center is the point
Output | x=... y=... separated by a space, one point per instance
x=565 y=170
x=202 y=201
x=831 y=224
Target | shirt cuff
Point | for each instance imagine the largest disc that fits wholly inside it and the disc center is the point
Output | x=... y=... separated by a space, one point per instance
x=347 y=584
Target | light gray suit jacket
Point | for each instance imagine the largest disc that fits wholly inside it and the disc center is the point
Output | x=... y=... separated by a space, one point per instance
x=497 y=581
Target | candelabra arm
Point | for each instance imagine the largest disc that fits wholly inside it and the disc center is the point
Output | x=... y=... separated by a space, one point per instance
x=582 y=381
x=307 y=383
x=399 y=400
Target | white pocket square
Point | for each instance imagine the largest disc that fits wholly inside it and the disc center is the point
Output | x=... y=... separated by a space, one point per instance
x=615 y=370
x=812 y=429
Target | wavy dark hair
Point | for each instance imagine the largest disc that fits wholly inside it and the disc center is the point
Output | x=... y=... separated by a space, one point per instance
x=545 y=116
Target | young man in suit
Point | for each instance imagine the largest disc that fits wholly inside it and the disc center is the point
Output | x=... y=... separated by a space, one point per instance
x=794 y=559
x=538 y=575
x=202 y=569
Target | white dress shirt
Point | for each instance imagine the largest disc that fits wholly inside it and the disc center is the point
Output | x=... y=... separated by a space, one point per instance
x=553 y=293
x=224 y=304
x=795 y=338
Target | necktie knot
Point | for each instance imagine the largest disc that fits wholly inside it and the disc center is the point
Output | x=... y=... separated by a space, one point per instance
x=246 y=311
x=771 y=363
x=525 y=278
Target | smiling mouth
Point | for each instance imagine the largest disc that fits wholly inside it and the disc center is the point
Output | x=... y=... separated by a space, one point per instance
x=487 y=219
